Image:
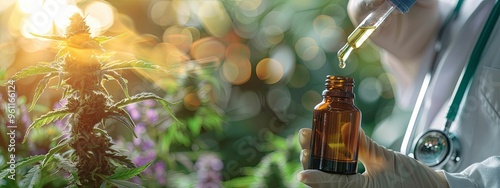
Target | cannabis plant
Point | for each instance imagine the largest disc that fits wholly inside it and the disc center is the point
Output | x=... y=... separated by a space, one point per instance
x=86 y=152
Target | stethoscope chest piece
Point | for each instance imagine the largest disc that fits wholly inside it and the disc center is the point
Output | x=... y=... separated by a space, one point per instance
x=438 y=150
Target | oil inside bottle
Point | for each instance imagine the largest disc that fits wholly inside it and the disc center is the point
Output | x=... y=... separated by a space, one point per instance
x=336 y=124
x=354 y=41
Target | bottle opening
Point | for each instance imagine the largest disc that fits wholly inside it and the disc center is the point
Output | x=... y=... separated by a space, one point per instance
x=339 y=86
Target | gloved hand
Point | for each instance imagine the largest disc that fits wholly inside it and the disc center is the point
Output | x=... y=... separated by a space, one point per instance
x=384 y=168
x=405 y=36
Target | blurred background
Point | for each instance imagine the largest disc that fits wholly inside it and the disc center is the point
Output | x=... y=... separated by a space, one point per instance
x=246 y=74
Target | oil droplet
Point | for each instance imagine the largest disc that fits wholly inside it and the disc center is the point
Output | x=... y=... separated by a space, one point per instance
x=343 y=54
x=341 y=64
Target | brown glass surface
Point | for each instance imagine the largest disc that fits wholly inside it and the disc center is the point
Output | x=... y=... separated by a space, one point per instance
x=335 y=131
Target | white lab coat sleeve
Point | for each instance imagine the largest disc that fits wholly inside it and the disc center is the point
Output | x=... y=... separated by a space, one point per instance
x=478 y=175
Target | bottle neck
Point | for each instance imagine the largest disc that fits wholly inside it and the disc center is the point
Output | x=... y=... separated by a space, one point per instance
x=339 y=89
x=338 y=96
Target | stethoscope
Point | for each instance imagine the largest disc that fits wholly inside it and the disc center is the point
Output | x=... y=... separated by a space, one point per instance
x=440 y=149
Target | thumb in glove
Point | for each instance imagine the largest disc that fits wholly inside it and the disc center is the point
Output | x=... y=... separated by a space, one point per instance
x=384 y=168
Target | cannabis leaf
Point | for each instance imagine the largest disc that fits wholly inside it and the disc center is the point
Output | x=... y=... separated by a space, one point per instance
x=121 y=81
x=31 y=178
x=40 y=88
x=46 y=119
x=129 y=173
x=138 y=64
x=123 y=117
x=118 y=183
x=40 y=68
x=49 y=37
x=25 y=161
x=147 y=96
x=54 y=150
x=64 y=163
x=20 y=163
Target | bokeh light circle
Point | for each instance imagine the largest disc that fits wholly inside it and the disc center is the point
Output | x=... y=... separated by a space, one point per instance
x=301 y=77
x=279 y=99
x=269 y=70
x=99 y=16
x=208 y=47
x=191 y=101
x=236 y=72
x=317 y=61
x=214 y=18
x=306 y=48
x=310 y=99
x=369 y=89
x=181 y=37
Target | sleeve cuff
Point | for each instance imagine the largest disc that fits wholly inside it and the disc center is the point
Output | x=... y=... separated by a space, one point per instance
x=457 y=180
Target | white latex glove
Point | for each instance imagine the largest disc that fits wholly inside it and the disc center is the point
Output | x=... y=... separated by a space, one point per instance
x=384 y=169
x=405 y=36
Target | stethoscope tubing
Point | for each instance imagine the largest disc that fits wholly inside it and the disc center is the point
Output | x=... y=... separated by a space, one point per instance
x=460 y=90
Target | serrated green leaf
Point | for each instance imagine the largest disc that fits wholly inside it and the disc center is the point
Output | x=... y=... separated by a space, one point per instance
x=40 y=68
x=25 y=161
x=67 y=92
x=121 y=81
x=54 y=150
x=124 y=184
x=147 y=96
x=129 y=173
x=105 y=56
x=137 y=98
x=46 y=119
x=4 y=173
x=166 y=106
x=60 y=81
x=64 y=163
x=32 y=177
x=103 y=39
x=49 y=37
x=123 y=117
x=194 y=124
x=120 y=183
x=122 y=159
x=40 y=88
x=134 y=64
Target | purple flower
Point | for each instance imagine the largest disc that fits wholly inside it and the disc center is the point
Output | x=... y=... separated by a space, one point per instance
x=144 y=157
x=149 y=103
x=208 y=168
x=152 y=115
x=140 y=128
x=134 y=112
x=159 y=170
x=143 y=111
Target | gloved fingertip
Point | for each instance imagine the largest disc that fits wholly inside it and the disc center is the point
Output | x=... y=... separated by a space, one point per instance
x=305 y=132
x=300 y=176
x=311 y=177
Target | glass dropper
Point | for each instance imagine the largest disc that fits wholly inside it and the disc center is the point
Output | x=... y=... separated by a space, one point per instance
x=364 y=30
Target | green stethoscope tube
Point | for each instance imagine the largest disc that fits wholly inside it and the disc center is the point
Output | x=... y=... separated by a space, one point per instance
x=437 y=148
x=470 y=69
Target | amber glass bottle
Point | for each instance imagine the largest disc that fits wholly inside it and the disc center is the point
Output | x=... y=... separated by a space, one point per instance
x=335 y=130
